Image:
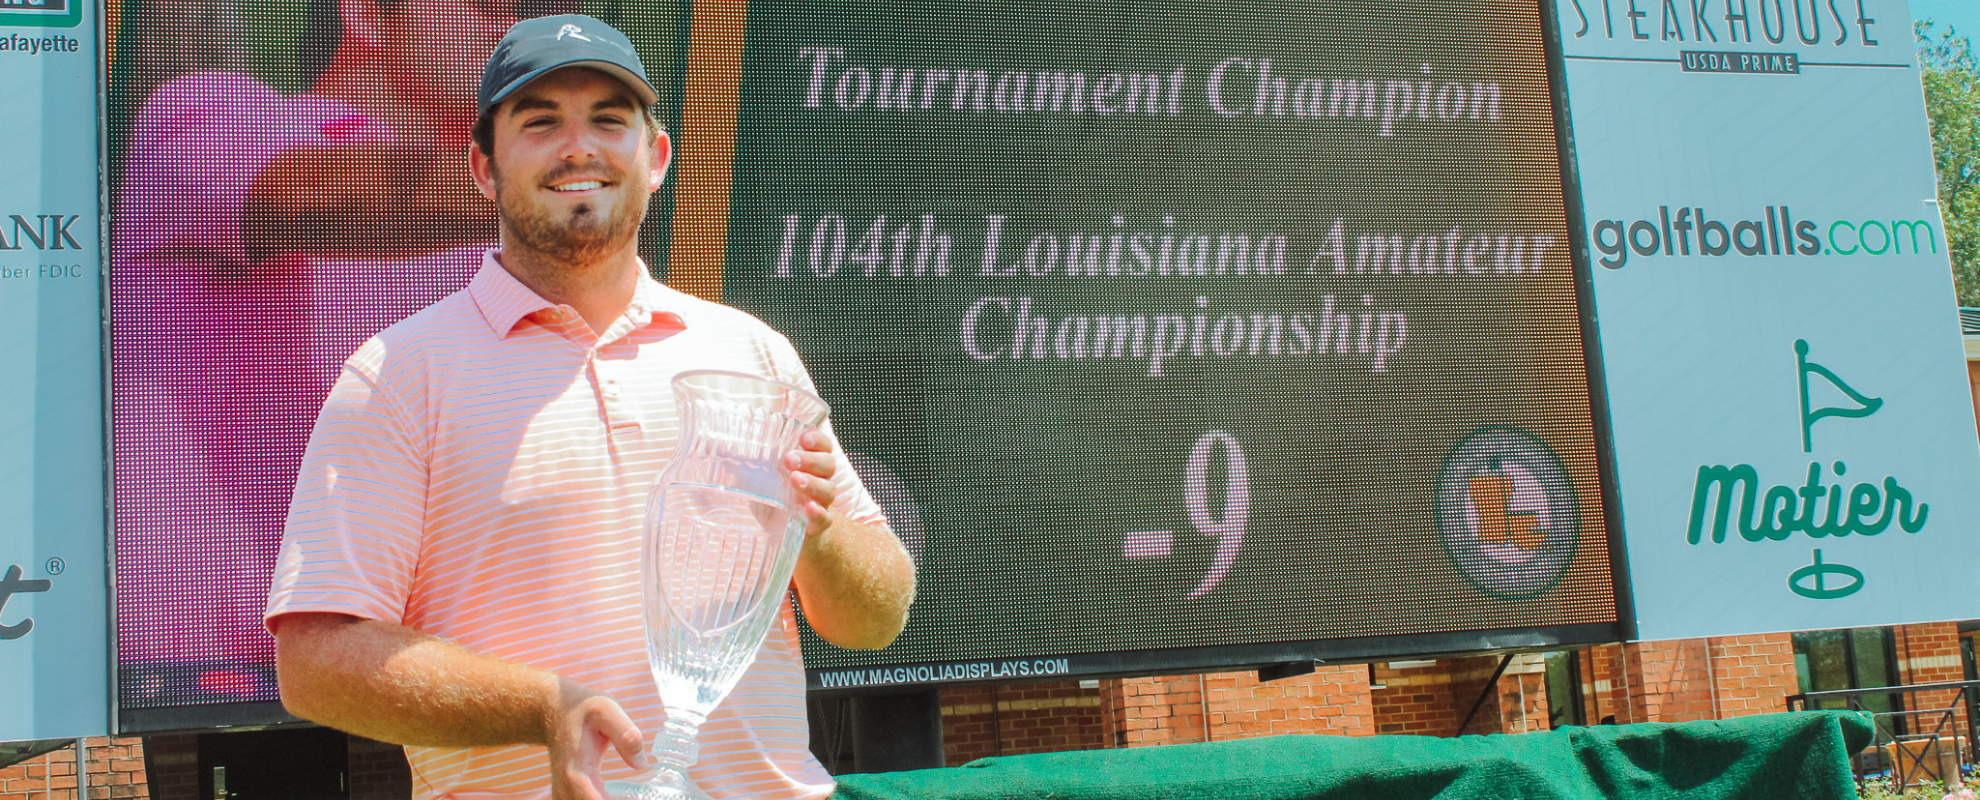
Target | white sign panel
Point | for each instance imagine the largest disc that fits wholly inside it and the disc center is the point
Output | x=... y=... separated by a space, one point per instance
x=54 y=652
x=1794 y=433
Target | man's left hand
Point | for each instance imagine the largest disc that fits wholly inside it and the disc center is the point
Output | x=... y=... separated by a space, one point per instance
x=812 y=468
x=855 y=580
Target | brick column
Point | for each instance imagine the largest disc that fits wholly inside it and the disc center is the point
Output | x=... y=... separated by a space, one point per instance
x=1973 y=381
x=1615 y=694
x=1523 y=695
x=1468 y=677
x=1162 y=710
x=969 y=725
x=1414 y=700
x=1331 y=700
x=1113 y=712
x=1594 y=685
x=1930 y=653
x=1754 y=674
x=1671 y=680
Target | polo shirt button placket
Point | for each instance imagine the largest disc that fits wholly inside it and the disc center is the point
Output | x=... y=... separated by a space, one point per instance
x=618 y=418
x=598 y=380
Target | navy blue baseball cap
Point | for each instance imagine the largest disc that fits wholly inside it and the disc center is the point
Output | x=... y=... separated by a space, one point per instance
x=534 y=47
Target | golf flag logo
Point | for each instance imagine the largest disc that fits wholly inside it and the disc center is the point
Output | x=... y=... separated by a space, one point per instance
x=1865 y=406
x=1821 y=508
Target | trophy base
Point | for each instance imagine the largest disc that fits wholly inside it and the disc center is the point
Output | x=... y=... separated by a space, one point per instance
x=667 y=785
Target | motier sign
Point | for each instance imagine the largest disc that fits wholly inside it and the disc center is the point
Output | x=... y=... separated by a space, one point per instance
x=1741 y=222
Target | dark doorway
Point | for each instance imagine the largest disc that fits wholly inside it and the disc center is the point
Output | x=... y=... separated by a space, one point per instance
x=1564 y=700
x=292 y=764
x=1853 y=658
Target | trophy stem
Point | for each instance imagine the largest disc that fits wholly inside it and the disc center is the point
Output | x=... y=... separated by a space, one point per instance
x=674 y=749
x=677 y=744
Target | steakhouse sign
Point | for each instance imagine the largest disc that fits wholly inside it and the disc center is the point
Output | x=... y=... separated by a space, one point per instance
x=1793 y=431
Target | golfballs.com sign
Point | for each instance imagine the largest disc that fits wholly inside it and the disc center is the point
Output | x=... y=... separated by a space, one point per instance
x=1793 y=430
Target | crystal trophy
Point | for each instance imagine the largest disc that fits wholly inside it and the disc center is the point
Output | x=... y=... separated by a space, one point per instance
x=723 y=531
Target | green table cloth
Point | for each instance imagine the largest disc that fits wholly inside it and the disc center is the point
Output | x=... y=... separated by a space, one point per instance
x=1798 y=755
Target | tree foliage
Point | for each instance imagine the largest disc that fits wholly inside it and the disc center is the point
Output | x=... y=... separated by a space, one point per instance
x=1952 y=102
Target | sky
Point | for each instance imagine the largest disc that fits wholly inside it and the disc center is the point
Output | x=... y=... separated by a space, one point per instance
x=1962 y=15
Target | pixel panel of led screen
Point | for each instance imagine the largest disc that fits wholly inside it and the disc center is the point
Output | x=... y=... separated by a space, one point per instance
x=1166 y=326
x=1169 y=329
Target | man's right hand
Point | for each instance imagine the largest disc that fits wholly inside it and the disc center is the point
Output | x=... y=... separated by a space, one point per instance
x=385 y=681
x=582 y=725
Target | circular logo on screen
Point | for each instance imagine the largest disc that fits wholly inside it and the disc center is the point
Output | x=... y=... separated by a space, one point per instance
x=1506 y=511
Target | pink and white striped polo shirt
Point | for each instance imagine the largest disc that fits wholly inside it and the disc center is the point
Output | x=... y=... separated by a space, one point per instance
x=480 y=471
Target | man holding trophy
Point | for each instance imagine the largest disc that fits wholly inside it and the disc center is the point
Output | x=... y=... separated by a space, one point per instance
x=461 y=567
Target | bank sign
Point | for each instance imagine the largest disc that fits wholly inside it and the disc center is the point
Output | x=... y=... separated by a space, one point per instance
x=1794 y=434
x=54 y=640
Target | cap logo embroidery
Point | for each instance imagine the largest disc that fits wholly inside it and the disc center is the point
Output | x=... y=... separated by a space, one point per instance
x=573 y=31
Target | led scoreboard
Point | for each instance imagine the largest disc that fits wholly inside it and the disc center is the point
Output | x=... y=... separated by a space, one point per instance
x=1183 y=335
x=1172 y=336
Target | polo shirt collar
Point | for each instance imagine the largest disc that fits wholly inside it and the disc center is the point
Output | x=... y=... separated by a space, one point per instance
x=505 y=302
x=650 y=301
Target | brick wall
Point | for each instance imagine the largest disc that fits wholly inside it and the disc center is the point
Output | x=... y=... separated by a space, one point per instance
x=1670 y=681
x=1154 y=711
x=1331 y=700
x=1433 y=698
x=115 y=772
x=1136 y=712
x=1667 y=681
x=1236 y=705
x=51 y=776
x=1689 y=679
x=1755 y=674
x=167 y=768
x=1414 y=700
x=983 y=721
x=1930 y=653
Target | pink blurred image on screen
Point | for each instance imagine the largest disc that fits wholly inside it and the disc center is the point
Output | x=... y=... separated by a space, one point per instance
x=219 y=361
x=282 y=187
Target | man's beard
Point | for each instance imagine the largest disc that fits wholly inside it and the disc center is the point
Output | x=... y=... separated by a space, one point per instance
x=584 y=236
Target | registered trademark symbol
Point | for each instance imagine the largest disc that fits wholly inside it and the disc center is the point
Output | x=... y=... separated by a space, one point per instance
x=56 y=566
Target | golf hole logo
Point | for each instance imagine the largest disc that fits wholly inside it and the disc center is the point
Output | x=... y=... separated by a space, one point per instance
x=1507 y=512
x=1734 y=499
